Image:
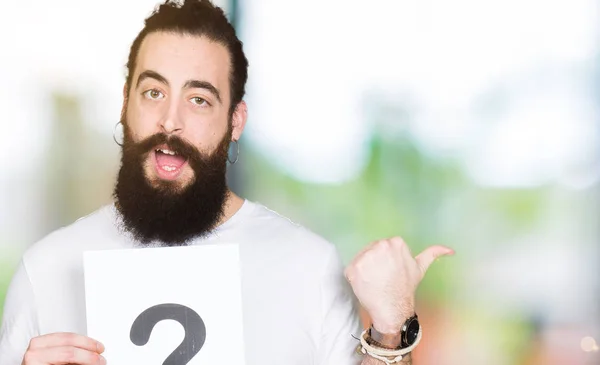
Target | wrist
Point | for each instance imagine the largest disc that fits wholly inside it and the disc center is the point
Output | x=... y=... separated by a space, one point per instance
x=393 y=326
x=391 y=320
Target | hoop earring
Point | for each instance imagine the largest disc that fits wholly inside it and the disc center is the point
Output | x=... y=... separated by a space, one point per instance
x=115 y=134
x=237 y=153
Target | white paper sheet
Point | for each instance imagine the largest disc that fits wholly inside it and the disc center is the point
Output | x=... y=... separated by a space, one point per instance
x=121 y=284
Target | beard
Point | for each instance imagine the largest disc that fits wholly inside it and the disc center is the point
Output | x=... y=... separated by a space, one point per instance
x=164 y=210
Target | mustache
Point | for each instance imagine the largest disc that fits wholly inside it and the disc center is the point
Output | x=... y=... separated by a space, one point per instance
x=173 y=142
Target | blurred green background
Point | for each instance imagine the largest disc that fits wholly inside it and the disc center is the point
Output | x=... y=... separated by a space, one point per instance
x=468 y=124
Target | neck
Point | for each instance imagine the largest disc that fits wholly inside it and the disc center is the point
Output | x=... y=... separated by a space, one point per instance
x=233 y=203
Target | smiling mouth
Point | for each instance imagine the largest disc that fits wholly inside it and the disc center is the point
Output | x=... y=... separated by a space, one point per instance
x=169 y=163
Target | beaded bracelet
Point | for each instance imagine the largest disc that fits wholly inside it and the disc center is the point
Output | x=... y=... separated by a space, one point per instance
x=386 y=355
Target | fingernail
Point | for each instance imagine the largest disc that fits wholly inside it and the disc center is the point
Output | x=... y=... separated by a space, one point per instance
x=102 y=360
x=100 y=347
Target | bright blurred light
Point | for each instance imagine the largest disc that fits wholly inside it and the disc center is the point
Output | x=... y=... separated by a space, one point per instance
x=539 y=140
x=588 y=344
x=306 y=110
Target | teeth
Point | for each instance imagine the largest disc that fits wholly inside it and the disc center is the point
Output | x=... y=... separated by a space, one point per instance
x=166 y=152
x=169 y=168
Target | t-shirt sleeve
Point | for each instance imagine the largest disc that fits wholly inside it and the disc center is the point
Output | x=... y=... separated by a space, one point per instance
x=19 y=320
x=340 y=317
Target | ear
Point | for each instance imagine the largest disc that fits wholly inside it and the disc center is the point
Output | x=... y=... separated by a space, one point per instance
x=125 y=98
x=238 y=120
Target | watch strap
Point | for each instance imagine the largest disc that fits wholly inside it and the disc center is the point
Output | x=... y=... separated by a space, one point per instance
x=371 y=341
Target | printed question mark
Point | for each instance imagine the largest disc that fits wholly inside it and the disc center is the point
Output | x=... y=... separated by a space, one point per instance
x=195 y=330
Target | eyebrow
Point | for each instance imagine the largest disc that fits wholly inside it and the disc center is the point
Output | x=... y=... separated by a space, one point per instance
x=198 y=84
x=190 y=84
x=149 y=74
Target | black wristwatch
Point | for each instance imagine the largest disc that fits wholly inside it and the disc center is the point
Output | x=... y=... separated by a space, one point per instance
x=408 y=334
x=410 y=331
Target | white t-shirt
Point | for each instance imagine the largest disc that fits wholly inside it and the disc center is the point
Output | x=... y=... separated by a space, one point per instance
x=296 y=301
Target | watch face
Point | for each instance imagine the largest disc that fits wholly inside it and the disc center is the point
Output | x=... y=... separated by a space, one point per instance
x=412 y=331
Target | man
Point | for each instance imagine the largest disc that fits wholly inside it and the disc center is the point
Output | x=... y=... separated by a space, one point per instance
x=183 y=105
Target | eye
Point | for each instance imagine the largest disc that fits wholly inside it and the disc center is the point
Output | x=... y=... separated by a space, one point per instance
x=153 y=94
x=199 y=101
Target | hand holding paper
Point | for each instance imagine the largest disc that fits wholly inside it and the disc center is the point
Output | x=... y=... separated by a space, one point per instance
x=64 y=348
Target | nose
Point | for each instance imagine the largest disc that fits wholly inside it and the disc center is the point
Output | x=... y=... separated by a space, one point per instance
x=172 y=123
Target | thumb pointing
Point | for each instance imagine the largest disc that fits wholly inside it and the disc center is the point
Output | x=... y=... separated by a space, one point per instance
x=426 y=258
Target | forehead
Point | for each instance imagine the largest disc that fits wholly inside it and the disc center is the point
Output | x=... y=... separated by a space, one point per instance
x=183 y=57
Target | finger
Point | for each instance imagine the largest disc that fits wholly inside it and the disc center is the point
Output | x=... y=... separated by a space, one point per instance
x=66 y=339
x=399 y=242
x=367 y=248
x=426 y=258
x=63 y=355
x=358 y=256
